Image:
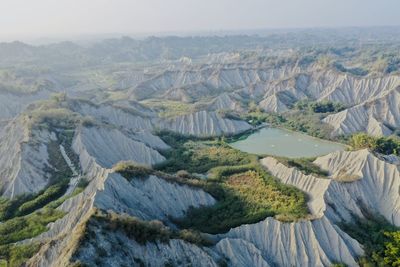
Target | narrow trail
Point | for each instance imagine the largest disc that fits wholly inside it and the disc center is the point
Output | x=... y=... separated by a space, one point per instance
x=75 y=177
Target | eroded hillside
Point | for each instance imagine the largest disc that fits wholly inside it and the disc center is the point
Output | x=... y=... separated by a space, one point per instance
x=124 y=159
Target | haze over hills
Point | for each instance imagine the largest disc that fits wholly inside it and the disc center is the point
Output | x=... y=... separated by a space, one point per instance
x=117 y=153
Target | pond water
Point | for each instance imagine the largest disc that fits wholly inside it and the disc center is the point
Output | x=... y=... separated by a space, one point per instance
x=280 y=142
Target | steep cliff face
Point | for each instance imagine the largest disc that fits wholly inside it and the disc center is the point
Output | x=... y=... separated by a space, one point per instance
x=142 y=124
x=372 y=101
x=375 y=189
x=226 y=101
x=204 y=123
x=308 y=243
x=12 y=104
x=273 y=104
x=372 y=117
x=150 y=198
x=132 y=119
x=109 y=146
x=24 y=161
x=315 y=242
x=120 y=250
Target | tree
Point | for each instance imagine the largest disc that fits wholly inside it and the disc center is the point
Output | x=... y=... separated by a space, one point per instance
x=392 y=249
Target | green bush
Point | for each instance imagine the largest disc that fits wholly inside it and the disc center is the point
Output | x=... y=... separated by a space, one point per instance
x=319 y=107
x=50 y=194
x=383 y=145
x=130 y=170
x=20 y=228
x=15 y=255
x=391 y=255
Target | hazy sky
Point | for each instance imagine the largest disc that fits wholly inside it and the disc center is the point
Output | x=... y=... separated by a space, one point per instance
x=55 y=18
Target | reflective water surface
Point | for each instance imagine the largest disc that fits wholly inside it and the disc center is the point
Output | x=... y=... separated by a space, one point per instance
x=280 y=142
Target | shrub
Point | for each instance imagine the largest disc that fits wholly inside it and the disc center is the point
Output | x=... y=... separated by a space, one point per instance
x=380 y=240
x=15 y=255
x=51 y=193
x=29 y=226
x=383 y=145
x=147 y=231
x=246 y=197
x=183 y=174
x=305 y=165
x=319 y=107
x=130 y=170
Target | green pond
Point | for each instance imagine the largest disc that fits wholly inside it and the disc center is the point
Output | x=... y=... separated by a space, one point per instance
x=279 y=142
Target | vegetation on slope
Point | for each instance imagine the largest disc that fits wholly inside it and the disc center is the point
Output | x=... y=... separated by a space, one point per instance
x=200 y=156
x=246 y=193
x=131 y=170
x=243 y=198
x=384 y=145
x=26 y=204
x=169 y=108
x=15 y=255
x=145 y=231
x=20 y=228
x=24 y=227
x=304 y=165
x=319 y=107
x=309 y=123
x=380 y=240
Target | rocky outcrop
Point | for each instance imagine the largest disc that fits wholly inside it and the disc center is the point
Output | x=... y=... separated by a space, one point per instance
x=150 y=198
x=359 y=182
x=121 y=250
x=12 y=104
x=204 y=124
x=132 y=119
x=375 y=190
x=273 y=104
x=109 y=146
x=371 y=117
x=24 y=165
x=226 y=101
x=308 y=243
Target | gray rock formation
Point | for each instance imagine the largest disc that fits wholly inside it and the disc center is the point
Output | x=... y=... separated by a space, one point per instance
x=203 y=124
x=24 y=166
x=110 y=146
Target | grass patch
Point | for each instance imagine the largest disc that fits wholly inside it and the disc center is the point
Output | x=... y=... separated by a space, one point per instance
x=243 y=198
x=15 y=255
x=169 y=108
x=29 y=226
x=50 y=194
x=25 y=204
x=246 y=193
x=130 y=169
x=384 y=145
x=304 y=165
x=200 y=156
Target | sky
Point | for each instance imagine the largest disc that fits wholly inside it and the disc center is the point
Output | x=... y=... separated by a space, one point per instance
x=21 y=19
